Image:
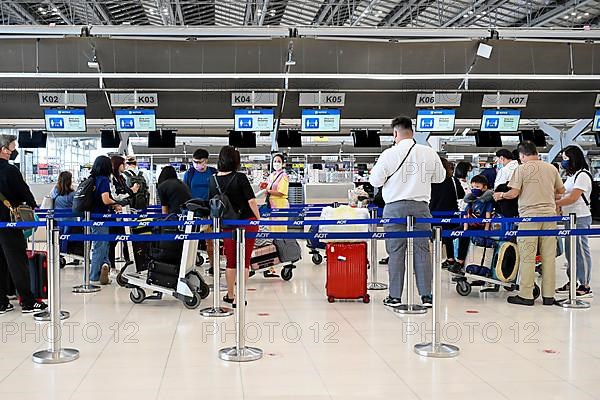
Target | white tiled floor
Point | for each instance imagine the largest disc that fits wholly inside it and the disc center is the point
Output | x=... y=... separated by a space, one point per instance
x=313 y=349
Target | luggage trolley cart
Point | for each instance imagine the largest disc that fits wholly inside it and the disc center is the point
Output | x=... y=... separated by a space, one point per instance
x=188 y=286
x=503 y=271
x=284 y=252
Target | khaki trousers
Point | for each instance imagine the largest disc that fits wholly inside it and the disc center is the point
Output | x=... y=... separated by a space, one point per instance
x=528 y=249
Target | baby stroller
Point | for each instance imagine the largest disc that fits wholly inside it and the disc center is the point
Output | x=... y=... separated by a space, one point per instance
x=502 y=272
x=268 y=254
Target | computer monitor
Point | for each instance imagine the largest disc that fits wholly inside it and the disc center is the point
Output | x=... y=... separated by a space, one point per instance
x=65 y=120
x=32 y=139
x=109 y=139
x=488 y=139
x=500 y=120
x=435 y=120
x=162 y=139
x=536 y=136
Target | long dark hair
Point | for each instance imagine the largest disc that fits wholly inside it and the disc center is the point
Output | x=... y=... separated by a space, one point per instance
x=167 y=172
x=447 y=166
x=462 y=170
x=116 y=162
x=102 y=167
x=576 y=160
x=64 y=186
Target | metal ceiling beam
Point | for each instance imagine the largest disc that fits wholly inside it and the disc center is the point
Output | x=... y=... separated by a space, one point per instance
x=324 y=12
x=459 y=16
x=179 y=12
x=265 y=6
x=101 y=12
x=23 y=12
x=367 y=9
x=557 y=12
x=60 y=13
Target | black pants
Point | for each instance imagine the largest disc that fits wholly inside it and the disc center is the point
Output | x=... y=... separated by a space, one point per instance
x=449 y=242
x=14 y=264
x=117 y=230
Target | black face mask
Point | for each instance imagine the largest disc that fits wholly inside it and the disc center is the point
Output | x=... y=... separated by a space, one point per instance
x=13 y=155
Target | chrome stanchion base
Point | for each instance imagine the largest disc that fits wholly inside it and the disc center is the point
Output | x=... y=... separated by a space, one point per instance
x=376 y=286
x=216 y=312
x=440 y=351
x=577 y=304
x=57 y=357
x=410 y=309
x=44 y=316
x=240 y=355
x=86 y=289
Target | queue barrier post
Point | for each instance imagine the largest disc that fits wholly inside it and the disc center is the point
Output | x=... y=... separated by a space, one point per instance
x=216 y=310
x=410 y=307
x=55 y=353
x=374 y=284
x=572 y=301
x=86 y=287
x=46 y=316
x=240 y=352
x=436 y=348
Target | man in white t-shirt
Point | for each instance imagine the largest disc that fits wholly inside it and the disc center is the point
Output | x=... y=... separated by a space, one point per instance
x=577 y=200
x=506 y=165
x=405 y=172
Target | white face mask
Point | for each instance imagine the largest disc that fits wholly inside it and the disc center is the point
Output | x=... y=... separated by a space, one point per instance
x=277 y=166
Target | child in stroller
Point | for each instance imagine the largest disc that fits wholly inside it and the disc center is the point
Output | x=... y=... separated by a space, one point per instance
x=478 y=204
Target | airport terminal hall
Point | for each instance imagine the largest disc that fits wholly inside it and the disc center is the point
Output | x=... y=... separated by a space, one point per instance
x=299 y=199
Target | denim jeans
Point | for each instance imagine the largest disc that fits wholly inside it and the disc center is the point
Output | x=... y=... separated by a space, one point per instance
x=583 y=258
x=398 y=251
x=99 y=253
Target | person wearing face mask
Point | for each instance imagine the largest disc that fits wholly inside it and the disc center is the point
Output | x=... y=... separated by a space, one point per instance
x=479 y=204
x=577 y=200
x=198 y=176
x=277 y=195
x=13 y=247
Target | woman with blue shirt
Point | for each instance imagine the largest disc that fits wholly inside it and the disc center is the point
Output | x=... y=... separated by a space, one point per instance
x=103 y=204
x=62 y=196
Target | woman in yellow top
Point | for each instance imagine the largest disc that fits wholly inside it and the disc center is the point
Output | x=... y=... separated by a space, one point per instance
x=277 y=196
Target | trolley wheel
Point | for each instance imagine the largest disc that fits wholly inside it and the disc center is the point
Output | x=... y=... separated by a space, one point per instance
x=330 y=299
x=317 y=258
x=287 y=273
x=137 y=295
x=536 y=291
x=197 y=283
x=463 y=288
x=192 y=302
x=62 y=262
x=200 y=260
x=121 y=281
x=366 y=299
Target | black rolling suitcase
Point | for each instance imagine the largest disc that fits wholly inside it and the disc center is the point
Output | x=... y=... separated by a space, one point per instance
x=38 y=274
x=163 y=274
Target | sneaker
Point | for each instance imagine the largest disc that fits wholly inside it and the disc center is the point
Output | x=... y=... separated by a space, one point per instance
x=550 y=301
x=584 y=292
x=95 y=283
x=447 y=264
x=564 y=289
x=104 y=275
x=427 y=300
x=392 y=301
x=384 y=261
x=520 y=300
x=6 y=308
x=12 y=297
x=36 y=307
x=457 y=268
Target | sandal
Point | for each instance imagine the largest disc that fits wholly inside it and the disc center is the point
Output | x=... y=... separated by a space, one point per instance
x=226 y=299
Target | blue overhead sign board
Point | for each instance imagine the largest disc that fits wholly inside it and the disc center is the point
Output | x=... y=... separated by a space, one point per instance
x=596 y=125
x=253 y=120
x=500 y=120
x=58 y=120
x=135 y=120
x=321 y=120
x=435 y=120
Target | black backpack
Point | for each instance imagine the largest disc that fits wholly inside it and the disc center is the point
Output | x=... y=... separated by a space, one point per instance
x=593 y=201
x=83 y=200
x=141 y=199
x=220 y=205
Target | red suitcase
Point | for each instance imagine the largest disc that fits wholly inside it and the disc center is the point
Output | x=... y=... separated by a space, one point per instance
x=38 y=273
x=347 y=271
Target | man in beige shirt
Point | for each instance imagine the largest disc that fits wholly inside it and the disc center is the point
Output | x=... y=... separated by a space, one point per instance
x=536 y=184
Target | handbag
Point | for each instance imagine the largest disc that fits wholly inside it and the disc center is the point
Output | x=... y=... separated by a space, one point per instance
x=265 y=208
x=21 y=213
x=378 y=198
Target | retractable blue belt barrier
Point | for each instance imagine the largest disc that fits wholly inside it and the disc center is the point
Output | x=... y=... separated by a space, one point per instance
x=523 y=233
x=22 y=225
x=442 y=221
x=147 y=238
x=339 y=236
x=200 y=222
